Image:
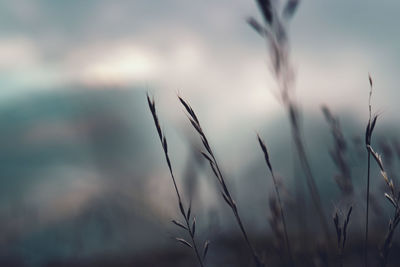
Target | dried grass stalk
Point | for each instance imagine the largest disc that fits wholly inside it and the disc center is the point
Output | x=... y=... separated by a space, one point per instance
x=393 y=196
x=341 y=231
x=368 y=137
x=274 y=31
x=281 y=213
x=210 y=157
x=338 y=154
x=189 y=227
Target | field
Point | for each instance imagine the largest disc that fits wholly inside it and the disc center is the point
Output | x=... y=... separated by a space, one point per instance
x=106 y=171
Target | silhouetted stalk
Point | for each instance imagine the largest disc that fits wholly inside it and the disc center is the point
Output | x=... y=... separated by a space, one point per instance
x=190 y=228
x=338 y=153
x=267 y=160
x=393 y=197
x=341 y=232
x=274 y=31
x=367 y=213
x=304 y=162
x=209 y=155
x=368 y=135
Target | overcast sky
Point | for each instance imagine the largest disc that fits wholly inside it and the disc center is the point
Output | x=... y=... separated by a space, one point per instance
x=202 y=49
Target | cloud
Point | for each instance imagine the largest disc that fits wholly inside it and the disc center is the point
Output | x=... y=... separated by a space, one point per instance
x=205 y=50
x=23 y=67
x=118 y=63
x=17 y=53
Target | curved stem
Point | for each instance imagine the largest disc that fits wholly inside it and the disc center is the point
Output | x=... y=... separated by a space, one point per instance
x=191 y=234
x=367 y=215
x=283 y=219
x=310 y=179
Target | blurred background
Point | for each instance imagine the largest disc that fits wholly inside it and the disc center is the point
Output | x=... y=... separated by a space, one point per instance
x=83 y=180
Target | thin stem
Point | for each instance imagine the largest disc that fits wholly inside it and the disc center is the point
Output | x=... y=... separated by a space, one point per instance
x=283 y=219
x=367 y=215
x=164 y=145
x=341 y=259
x=209 y=155
x=310 y=178
x=235 y=211
x=340 y=256
x=368 y=143
x=250 y=246
x=267 y=160
x=190 y=230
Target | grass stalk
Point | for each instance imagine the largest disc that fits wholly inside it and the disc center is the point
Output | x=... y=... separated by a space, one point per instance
x=367 y=213
x=341 y=232
x=393 y=197
x=368 y=135
x=267 y=160
x=210 y=157
x=305 y=164
x=274 y=31
x=338 y=154
x=189 y=227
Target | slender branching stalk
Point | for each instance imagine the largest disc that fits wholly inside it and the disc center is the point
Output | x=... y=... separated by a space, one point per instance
x=304 y=162
x=341 y=232
x=393 y=196
x=267 y=160
x=368 y=136
x=190 y=224
x=338 y=154
x=274 y=31
x=210 y=157
x=393 y=223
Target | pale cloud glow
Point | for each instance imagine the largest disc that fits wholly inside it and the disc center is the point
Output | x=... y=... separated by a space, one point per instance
x=119 y=65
